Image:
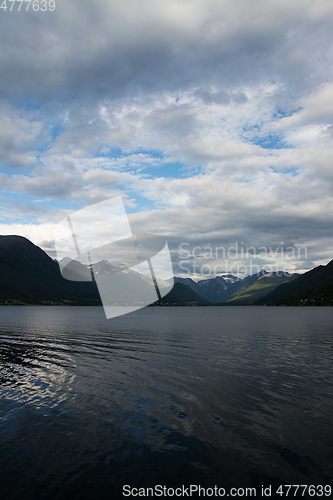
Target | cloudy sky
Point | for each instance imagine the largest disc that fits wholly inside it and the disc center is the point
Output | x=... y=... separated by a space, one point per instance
x=211 y=118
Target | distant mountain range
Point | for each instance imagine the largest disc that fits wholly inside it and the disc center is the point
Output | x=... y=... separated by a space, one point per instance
x=236 y=291
x=29 y=276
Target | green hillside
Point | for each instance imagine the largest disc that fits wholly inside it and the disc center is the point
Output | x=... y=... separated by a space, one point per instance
x=321 y=295
x=302 y=287
x=260 y=288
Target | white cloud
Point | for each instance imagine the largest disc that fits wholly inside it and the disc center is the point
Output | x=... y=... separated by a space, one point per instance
x=18 y=138
x=111 y=98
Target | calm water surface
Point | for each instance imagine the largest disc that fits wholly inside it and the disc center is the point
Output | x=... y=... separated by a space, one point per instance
x=226 y=396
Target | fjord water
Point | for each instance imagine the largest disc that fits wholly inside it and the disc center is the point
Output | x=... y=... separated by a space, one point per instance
x=226 y=396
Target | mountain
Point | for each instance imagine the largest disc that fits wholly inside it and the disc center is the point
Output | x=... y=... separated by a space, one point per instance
x=312 y=285
x=74 y=270
x=185 y=281
x=218 y=289
x=29 y=275
x=321 y=295
x=214 y=289
x=239 y=287
x=229 y=289
x=262 y=286
x=183 y=295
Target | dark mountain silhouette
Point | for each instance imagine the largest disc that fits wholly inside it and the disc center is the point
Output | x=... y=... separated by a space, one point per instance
x=213 y=289
x=321 y=295
x=29 y=275
x=182 y=294
x=313 y=283
x=218 y=289
x=232 y=290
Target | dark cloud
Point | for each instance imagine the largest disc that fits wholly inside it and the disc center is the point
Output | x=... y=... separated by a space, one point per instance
x=173 y=123
x=114 y=49
x=222 y=97
x=59 y=185
x=95 y=94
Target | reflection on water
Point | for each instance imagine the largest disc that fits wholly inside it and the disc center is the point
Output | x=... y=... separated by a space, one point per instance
x=232 y=396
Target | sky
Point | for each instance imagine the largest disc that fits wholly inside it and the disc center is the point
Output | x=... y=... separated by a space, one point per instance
x=211 y=118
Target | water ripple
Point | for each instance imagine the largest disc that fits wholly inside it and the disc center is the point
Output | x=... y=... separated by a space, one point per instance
x=232 y=395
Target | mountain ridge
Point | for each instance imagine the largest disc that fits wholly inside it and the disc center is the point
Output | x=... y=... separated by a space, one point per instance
x=300 y=286
x=232 y=290
x=28 y=275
